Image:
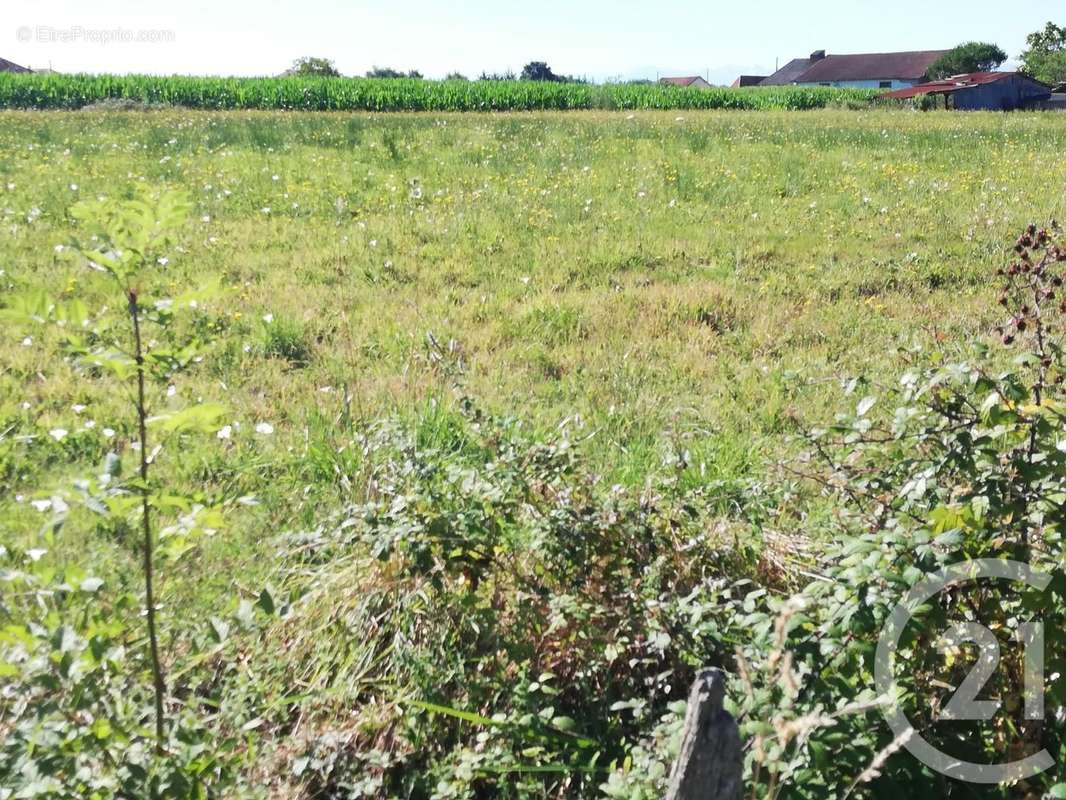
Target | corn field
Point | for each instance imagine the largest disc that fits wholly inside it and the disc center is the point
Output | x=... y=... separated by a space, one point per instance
x=364 y=94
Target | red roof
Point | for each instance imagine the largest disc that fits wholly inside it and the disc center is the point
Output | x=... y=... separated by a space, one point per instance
x=949 y=85
x=871 y=66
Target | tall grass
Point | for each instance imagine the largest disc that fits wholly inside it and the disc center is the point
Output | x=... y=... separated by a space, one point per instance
x=362 y=94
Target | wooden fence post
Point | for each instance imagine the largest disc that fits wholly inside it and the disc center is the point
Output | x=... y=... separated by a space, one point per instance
x=710 y=764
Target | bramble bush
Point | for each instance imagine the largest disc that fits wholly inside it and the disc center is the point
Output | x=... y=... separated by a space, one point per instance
x=965 y=461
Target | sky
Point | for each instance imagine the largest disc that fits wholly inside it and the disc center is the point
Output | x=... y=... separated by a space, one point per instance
x=598 y=39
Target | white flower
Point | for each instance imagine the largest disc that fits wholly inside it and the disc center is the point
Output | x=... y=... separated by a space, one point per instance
x=225 y=432
x=27 y=342
x=41 y=505
x=163 y=261
x=265 y=209
x=268 y=318
x=264 y=428
x=172 y=390
x=26 y=406
x=274 y=177
x=59 y=434
x=205 y=218
x=373 y=242
x=73 y=187
x=108 y=432
x=59 y=248
x=77 y=408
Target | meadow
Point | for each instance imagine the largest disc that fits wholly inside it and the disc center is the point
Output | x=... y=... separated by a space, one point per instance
x=663 y=293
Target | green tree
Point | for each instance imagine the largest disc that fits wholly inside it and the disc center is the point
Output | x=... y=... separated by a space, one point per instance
x=455 y=76
x=389 y=72
x=538 y=71
x=968 y=57
x=309 y=65
x=1045 y=59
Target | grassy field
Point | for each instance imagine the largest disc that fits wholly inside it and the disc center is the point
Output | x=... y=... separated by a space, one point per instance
x=676 y=288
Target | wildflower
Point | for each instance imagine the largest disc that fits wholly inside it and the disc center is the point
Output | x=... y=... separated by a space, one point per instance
x=163 y=261
x=225 y=432
x=27 y=342
x=73 y=187
x=268 y=318
x=77 y=408
x=264 y=428
x=59 y=434
x=108 y=433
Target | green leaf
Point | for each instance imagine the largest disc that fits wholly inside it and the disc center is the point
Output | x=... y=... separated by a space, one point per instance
x=220 y=630
x=467 y=716
x=202 y=418
x=91 y=584
x=266 y=601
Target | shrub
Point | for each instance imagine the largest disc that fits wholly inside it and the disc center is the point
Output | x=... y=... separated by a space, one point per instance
x=514 y=620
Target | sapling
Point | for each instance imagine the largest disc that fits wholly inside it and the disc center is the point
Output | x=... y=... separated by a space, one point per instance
x=140 y=345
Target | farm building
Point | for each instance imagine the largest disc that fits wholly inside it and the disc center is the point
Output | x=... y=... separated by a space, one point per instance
x=691 y=82
x=857 y=71
x=11 y=66
x=982 y=91
x=748 y=80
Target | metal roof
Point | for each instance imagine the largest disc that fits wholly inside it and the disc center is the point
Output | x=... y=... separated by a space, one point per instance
x=952 y=84
x=11 y=66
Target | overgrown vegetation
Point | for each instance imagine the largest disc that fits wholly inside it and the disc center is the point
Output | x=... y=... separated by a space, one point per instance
x=418 y=594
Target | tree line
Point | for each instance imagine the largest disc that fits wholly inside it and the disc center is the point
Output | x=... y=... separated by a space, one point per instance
x=533 y=71
x=1043 y=59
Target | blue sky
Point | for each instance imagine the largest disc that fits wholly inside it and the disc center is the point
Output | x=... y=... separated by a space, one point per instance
x=596 y=38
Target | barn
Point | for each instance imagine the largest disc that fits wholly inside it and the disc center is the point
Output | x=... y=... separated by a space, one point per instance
x=981 y=91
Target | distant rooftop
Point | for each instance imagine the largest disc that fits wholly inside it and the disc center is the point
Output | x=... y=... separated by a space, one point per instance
x=685 y=81
x=822 y=68
x=11 y=66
